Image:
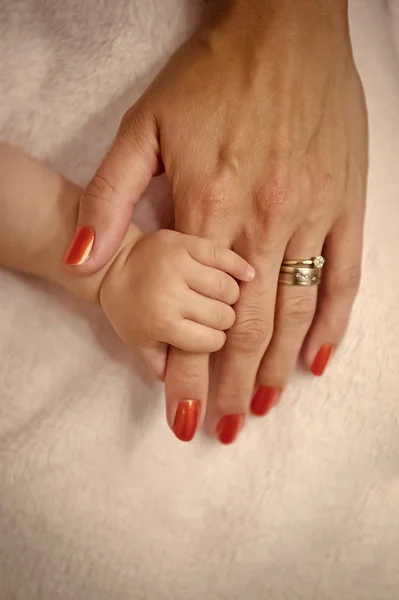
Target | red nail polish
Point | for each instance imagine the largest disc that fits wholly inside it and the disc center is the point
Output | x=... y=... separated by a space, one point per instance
x=321 y=359
x=186 y=420
x=229 y=427
x=80 y=247
x=264 y=399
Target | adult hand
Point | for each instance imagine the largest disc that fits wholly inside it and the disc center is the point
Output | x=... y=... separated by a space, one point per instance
x=259 y=122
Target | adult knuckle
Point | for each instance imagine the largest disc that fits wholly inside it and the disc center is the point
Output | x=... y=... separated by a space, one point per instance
x=297 y=309
x=131 y=121
x=275 y=198
x=202 y=201
x=214 y=195
x=126 y=121
x=137 y=130
x=346 y=281
x=101 y=191
x=324 y=185
x=188 y=367
x=326 y=195
x=250 y=333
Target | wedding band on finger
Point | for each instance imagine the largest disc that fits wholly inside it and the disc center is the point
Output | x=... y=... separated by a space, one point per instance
x=317 y=262
x=305 y=272
x=299 y=276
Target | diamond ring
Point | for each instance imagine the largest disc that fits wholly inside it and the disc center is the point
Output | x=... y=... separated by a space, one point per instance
x=302 y=272
x=317 y=262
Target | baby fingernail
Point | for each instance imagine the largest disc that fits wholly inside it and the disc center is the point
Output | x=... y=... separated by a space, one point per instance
x=186 y=420
x=250 y=273
x=80 y=247
x=229 y=427
x=264 y=399
x=321 y=359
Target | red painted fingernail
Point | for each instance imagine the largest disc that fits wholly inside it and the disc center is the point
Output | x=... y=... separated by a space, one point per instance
x=80 y=247
x=264 y=399
x=186 y=420
x=229 y=427
x=321 y=359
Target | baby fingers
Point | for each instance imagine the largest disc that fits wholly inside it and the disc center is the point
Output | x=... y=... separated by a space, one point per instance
x=213 y=284
x=219 y=257
x=208 y=312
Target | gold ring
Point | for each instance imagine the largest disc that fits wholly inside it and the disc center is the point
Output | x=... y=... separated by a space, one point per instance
x=300 y=276
x=317 y=262
x=304 y=272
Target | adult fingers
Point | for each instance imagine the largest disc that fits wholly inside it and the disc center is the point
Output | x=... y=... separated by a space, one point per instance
x=246 y=342
x=106 y=205
x=186 y=392
x=187 y=376
x=295 y=307
x=338 y=290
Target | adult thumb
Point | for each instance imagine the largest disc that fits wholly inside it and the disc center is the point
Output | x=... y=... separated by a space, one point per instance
x=186 y=392
x=106 y=205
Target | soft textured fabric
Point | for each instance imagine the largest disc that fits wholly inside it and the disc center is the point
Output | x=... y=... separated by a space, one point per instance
x=98 y=500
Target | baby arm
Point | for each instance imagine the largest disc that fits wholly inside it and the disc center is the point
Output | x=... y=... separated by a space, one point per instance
x=38 y=214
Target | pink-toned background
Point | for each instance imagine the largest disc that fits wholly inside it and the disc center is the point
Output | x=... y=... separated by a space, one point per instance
x=98 y=501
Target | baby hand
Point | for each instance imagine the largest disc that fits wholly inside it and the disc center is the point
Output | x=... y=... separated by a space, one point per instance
x=171 y=288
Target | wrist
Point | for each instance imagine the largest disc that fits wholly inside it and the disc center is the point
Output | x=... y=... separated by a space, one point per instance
x=256 y=33
x=116 y=268
x=254 y=19
x=263 y=6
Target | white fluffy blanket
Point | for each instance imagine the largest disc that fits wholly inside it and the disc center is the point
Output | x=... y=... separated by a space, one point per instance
x=98 y=501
